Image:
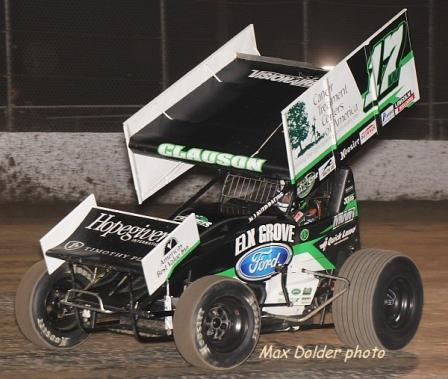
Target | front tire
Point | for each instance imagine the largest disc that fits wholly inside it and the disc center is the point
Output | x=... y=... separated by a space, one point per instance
x=40 y=316
x=216 y=323
x=383 y=305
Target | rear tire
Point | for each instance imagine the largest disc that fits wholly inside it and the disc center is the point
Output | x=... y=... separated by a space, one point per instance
x=383 y=305
x=216 y=323
x=40 y=317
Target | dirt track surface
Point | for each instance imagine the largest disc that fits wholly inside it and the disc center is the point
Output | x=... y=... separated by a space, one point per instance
x=418 y=229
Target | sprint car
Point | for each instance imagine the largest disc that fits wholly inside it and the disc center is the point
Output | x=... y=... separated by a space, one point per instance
x=270 y=242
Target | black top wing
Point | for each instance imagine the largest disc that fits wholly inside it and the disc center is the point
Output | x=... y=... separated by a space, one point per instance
x=235 y=113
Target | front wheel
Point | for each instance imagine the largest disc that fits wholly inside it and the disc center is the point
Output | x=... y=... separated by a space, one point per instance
x=216 y=323
x=383 y=305
x=41 y=317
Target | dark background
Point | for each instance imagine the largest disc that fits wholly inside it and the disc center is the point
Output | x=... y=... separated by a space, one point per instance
x=88 y=65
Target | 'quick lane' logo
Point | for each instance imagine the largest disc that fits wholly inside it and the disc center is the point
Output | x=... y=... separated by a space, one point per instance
x=106 y=226
x=212 y=157
x=261 y=262
x=337 y=239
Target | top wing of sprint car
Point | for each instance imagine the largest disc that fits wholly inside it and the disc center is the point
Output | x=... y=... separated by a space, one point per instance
x=221 y=113
x=238 y=110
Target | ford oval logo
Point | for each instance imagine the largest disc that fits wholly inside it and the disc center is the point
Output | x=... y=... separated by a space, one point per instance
x=260 y=263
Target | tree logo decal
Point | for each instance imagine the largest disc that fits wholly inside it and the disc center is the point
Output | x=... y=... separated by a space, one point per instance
x=302 y=134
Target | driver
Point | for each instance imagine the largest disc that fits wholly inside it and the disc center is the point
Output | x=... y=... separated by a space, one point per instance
x=306 y=212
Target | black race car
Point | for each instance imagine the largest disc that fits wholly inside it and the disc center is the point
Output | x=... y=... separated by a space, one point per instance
x=276 y=247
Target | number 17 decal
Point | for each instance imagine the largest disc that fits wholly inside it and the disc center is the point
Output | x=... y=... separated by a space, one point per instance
x=383 y=66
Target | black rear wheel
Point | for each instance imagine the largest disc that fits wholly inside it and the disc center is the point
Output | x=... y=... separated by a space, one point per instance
x=383 y=305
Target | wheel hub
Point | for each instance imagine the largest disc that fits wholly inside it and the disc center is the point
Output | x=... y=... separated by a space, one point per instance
x=217 y=322
x=398 y=303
